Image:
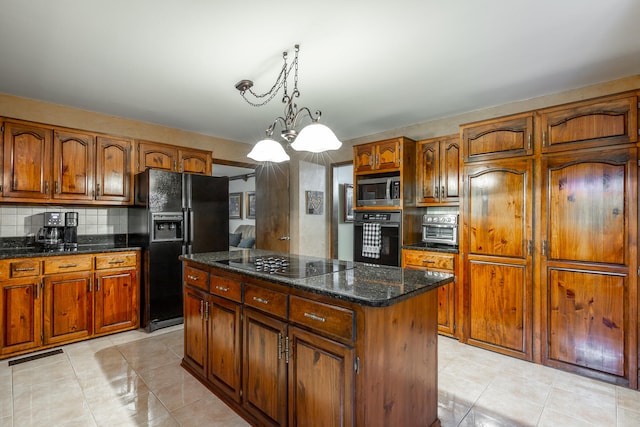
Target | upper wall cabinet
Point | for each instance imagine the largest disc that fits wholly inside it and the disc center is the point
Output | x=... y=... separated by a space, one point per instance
x=27 y=161
x=438 y=170
x=595 y=123
x=56 y=165
x=171 y=158
x=380 y=156
x=510 y=136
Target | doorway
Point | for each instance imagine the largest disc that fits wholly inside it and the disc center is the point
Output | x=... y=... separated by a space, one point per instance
x=342 y=233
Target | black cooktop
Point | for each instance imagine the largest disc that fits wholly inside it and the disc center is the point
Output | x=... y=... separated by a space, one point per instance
x=291 y=266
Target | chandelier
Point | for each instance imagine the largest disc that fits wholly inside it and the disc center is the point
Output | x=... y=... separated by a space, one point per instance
x=315 y=137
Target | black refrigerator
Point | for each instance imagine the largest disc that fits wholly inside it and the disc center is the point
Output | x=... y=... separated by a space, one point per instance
x=174 y=214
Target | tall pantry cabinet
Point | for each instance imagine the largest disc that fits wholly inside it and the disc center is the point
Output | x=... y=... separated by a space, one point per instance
x=550 y=236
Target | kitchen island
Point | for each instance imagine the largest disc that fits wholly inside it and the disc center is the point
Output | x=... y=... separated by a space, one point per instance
x=291 y=340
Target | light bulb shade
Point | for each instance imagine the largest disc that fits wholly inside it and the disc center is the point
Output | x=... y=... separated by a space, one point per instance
x=316 y=138
x=268 y=150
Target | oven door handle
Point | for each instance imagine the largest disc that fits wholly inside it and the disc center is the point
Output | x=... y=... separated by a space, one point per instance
x=393 y=224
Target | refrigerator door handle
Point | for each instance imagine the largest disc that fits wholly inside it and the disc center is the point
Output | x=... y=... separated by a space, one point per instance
x=191 y=227
x=187 y=226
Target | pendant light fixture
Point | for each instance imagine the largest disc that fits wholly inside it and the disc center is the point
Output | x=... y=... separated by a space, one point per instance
x=315 y=137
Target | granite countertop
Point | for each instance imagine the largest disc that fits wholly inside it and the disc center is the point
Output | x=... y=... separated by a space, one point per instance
x=35 y=251
x=422 y=246
x=366 y=284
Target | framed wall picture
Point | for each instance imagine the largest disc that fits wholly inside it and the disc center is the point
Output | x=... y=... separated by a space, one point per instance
x=348 y=203
x=315 y=202
x=235 y=205
x=251 y=204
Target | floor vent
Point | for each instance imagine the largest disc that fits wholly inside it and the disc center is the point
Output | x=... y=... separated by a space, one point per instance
x=35 y=357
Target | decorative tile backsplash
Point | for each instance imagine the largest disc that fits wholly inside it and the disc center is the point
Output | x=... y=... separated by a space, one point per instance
x=19 y=221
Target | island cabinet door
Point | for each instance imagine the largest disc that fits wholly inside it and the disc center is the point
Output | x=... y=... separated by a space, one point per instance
x=321 y=381
x=224 y=346
x=498 y=266
x=195 y=329
x=264 y=368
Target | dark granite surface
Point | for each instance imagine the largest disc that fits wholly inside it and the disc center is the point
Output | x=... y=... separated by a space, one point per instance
x=365 y=284
x=21 y=248
x=422 y=246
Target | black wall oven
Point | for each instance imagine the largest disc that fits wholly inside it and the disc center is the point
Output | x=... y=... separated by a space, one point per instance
x=389 y=226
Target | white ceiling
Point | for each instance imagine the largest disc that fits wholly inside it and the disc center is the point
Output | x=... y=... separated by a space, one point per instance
x=369 y=65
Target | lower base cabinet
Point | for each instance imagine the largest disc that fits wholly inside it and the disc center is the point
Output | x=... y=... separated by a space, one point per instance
x=50 y=301
x=305 y=361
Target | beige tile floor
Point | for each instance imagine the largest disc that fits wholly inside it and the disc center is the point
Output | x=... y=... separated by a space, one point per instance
x=113 y=381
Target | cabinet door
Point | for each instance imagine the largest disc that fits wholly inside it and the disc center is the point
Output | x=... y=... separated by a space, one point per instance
x=21 y=309
x=116 y=301
x=498 y=267
x=587 y=124
x=224 y=346
x=67 y=307
x=388 y=154
x=264 y=368
x=364 y=157
x=589 y=282
x=73 y=165
x=157 y=156
x=499 y=138
x=114 y=169
x=195 y=329
x=428 y=172
x=27 y=161
x=321 y=381
x=450 y=170
x=195 y=161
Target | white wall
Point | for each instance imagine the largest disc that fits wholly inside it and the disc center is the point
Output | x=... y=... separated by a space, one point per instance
x=312 y=229
x=344 y=175
x=242 y=186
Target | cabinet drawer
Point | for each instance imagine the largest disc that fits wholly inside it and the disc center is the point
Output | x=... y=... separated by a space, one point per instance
x=26 y=268
x=67 y=264
x=196 y=277
x=424 y=259
x=335 y=321
x=272 y=302
x=226 y=288
x=116 y=260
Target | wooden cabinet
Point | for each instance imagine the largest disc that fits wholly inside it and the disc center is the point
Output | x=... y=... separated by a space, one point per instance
x=114 y=170
x=73 y=165
x=21 y=310
x=321 y=380
x=594 y=123
x=434 y=263
x=172 y=158
x=57 y=165
x=496 y=139
x=50 y=301
x=588 y=277
x=264 y=368
x=27 y=161
x=381 y=156
x=497 y=242
x=438 y=171
x=116 y=293
x=195 y=329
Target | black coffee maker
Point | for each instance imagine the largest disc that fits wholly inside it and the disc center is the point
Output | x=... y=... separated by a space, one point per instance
x=71 y=231
x=51 y=235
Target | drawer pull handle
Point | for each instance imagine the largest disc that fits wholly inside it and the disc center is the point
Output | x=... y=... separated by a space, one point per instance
x=25 y=269
x=428 y=261
x=68 y=265
x=315 y=317
x=117 y=261
x=261 y=300
x=222 y=288
x=190 y=277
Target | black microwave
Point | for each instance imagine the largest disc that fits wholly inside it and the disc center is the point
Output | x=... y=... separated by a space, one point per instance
x=378 y=191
